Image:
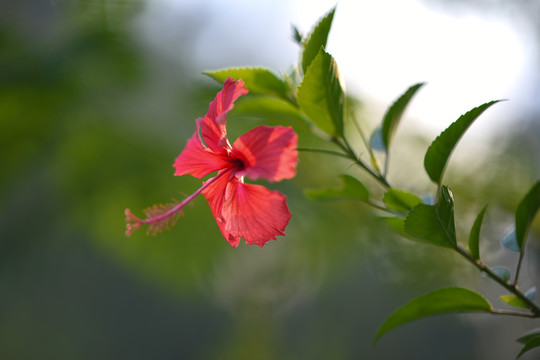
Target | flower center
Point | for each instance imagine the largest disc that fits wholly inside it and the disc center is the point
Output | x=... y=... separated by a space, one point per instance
x=238 y=164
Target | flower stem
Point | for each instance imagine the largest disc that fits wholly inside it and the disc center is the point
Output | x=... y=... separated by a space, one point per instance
x=133 y=222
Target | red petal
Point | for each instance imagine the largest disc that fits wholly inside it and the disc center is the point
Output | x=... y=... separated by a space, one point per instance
x=197 y=160
x=268 y=152
x=213 y=128
x=254 y=213
x=215 y=195
x=233 y=240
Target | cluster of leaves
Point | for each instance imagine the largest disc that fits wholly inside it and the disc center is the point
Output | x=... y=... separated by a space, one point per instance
x=313 y=91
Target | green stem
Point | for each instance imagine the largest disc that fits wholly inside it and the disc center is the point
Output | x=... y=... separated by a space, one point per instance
x=325 y=151
x=381 y=179
x=348 y=148
x=366 y=144
x=386 y=161
x=518 y=269
x=349 y=154
x=379 y=207
x=513 y=288
x=343 y=147
x=512 y=313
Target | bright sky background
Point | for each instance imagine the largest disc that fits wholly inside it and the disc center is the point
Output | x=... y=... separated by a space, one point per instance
x=381 y=47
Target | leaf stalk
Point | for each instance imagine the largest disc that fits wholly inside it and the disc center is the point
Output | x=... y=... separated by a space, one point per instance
x=511 y=287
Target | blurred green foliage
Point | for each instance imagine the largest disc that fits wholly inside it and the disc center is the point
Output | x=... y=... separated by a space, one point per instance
x=91 y=120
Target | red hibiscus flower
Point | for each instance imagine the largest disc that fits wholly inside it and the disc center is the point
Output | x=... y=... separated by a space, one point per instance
x=247 y=211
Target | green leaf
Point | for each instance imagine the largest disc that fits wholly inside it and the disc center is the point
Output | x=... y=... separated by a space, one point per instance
x=446 y=300
x=529 y=346
x=531 y=340
x=531 y=293
x=502 y=272
x=320 y=95
x=513 y=300
x=258 y=80
x=398 y=224
x=376 y=140
x=509 y=241
x=269 y=108
x=352 y=189
x=434 y=224
x=400 y=200
x=533 y=334
x=394 y=114
x=296 y=35
x=474 y=236
x=525 y=213
x=317 y=39
x=517 y=302
x=441 y=148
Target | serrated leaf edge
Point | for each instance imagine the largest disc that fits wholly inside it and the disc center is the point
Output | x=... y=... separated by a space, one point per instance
x=455 y=124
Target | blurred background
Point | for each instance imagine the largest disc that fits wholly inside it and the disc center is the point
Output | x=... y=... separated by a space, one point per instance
x=97 y=98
